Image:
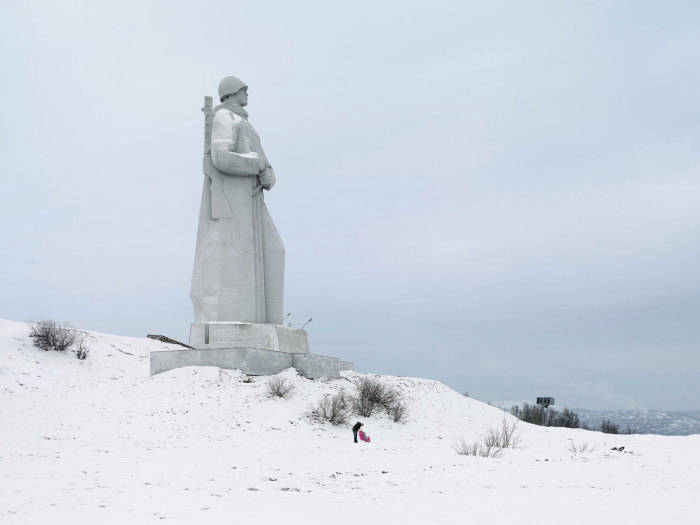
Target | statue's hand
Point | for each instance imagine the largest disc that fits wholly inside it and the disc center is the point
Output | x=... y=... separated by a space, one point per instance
x=267 y=179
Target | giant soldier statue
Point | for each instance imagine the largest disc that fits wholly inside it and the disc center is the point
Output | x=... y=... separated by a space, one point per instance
x=238 y=278
x=238 y=273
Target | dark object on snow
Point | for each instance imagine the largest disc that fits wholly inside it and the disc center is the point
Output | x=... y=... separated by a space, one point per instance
x=164 y=339
x=619 y=449
x=355 y=430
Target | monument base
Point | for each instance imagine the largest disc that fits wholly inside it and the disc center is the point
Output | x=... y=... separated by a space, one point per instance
x=253 y=348
x=273 y=337
x=252 y=361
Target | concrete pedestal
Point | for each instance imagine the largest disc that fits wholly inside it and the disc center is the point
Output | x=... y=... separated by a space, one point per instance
x=252 y=361
x=272 y=337
x=254 y=348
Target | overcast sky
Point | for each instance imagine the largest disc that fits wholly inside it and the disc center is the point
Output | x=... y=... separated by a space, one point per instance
x=504 y=196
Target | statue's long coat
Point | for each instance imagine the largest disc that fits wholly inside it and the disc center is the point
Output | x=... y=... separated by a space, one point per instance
x=239 y=260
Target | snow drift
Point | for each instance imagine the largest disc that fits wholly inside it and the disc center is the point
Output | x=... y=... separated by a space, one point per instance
x=99 y=439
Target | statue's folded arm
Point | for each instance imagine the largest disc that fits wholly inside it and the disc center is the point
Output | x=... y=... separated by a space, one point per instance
x=223 y=141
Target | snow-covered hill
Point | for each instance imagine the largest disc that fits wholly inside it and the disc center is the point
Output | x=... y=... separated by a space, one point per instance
x=101 y=441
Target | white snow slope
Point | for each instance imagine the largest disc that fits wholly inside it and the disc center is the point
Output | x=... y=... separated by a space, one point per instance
x=99 y=441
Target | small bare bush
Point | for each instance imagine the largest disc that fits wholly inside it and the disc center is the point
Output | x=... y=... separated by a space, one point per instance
x=505 y=436
x=82 y=351
x=580 y=448
x=48 y=335
x=334 y=409
x=279 y=387
x=494 y=441
x=399 y=412
x=466 y=449
x=480 y=449
x=374 y=395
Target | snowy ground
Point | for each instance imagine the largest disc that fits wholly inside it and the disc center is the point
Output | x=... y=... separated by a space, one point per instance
x=99 y=441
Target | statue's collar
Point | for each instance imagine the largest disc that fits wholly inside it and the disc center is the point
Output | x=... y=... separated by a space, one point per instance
x=238 y=110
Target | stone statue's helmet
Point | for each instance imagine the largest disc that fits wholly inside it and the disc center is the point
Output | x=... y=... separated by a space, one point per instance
x=229 y=86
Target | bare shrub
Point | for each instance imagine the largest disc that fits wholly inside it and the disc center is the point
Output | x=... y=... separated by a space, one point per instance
x=279 y=387
x=507 y=435
x=82 y=351
x=493 y=442
x=580 y=448
x=372 y=394
x=399 y=412
x=48 y=335
x=476 y=448
x=334 y=409
x=466 y=449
